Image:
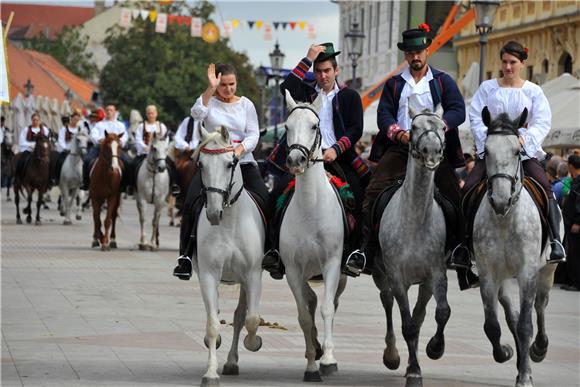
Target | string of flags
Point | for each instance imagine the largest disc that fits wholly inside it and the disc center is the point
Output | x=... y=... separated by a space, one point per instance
x=209 y=31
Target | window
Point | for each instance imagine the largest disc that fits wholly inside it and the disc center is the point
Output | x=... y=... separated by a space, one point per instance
x=435 y=14
x=545 y=66
x=565 y=64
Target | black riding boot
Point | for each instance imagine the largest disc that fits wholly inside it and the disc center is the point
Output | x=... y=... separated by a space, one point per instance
x=272 y=262
x=173 y=177
x=362 y=259
x=184 y=268
x=86 y=177
x=558 y=254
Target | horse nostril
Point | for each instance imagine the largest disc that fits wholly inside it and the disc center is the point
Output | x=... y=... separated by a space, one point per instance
x=425 y=150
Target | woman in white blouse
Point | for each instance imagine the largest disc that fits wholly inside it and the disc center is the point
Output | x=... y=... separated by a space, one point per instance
x=220 y=106
x=511 y=94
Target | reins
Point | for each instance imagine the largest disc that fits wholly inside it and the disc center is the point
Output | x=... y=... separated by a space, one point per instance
x=308 y=153
x=415 y=153
x=228 y=191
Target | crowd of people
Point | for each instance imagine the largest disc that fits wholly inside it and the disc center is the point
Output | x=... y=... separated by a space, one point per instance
x=419 y=87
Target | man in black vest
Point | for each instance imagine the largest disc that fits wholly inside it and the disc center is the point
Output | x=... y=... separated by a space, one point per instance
x=341 y=126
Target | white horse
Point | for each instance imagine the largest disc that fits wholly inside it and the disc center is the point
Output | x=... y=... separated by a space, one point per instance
x=152 y=187
x=71 y=176
x=312 y=234
x=507 y=242
x=412 y=239
x=231 y=238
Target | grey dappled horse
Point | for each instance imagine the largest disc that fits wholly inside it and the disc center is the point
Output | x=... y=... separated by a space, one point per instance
x=230 y=248
x=312 y=234
x=507 y=242
x=152 y=187
x=71 y=176
x=412 y=239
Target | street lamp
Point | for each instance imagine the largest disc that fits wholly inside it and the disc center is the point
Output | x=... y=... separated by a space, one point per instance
x=277 y=62
x=354 y=42
x=29 y=87
x=261 y=80
x=484 y=15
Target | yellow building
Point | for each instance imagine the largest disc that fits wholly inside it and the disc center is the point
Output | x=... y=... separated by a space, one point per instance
x=549 y=29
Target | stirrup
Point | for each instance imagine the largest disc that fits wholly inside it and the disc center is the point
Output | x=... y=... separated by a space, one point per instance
x=557 y=260
x=175 y=190
x=183 y=268
x=353 y=271
x=453 y=264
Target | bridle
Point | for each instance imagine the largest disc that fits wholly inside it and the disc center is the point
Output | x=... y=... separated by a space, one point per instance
x=415 y=144
x=514 y=179
x=227 y=193
x=151 y=168
x=308 y=152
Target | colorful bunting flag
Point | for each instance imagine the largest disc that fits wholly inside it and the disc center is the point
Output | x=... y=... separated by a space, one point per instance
x=292 y=25
x=235 y=23
x=125 y=17
x=196 y=26
x=302 y=25
x=135 y=14
x=251 y=23
x=267 y=32
x=259 y=24
x=144 y=14
x=172 y=19
x=311 y=32
x=228 y=28
x=276 y=25
x=284 y=25
x=153 y=16
x=161 y=23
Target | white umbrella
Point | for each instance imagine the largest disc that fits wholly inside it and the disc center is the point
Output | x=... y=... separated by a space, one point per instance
x=29 y=108
x=18 y=120
x=65 y=109
x=55 y=120
x=43 y=108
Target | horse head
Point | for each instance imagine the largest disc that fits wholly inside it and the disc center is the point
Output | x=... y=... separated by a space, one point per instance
x=427 y=141
x=219 y=173
x=110 y=149
x=502 y=159
x=42 y=148
x=302 y=133
x=158 y=153
x=81 y=142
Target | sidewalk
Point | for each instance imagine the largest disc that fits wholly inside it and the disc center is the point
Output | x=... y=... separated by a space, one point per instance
x=75 y=316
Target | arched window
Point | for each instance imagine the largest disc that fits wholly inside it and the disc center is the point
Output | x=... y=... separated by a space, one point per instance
x=545 y=66
x=565 y=64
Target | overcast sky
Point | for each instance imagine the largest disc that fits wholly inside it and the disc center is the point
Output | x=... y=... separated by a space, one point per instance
x=294 y=44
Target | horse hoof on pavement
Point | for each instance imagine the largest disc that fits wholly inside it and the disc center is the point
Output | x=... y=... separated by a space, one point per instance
x=95 y=244
x=414 y=381
x=143 y=247
x=29 y=219
x=8 y=200
x=312 y=376
x=206 y=382
x=113 y=244
x=38 y=223
x=78 y=217
x=67 y=222
x=328 y=369
x=18 y=221
x=105 y=247
x=218 y=342
x=537 y=354
x=231 y=369
x=435 y=348
x=61 y=213
x=506 y=353
x=256 y=347
x=153 y=248
x=391 y=363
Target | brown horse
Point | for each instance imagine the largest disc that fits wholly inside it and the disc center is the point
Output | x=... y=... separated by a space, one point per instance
x=105 y=184
x=186 y=168
x=34 y=176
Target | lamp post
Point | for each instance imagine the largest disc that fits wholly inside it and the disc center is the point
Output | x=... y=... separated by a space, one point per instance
x=29 y=87
x=277 y=62
x=261 y=80
x=354 y=41
x=484 y=15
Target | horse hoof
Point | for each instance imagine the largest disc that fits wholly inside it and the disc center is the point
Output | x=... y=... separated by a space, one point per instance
x=153 y=248
x=95 y=244
x=313 y=376
x=29 y=219
x=105 y=247
x=391 y=363
x=218 y=342
x=414 y=381
x=256 y=347
x=206 y=382
x=328 y=369
x=113 y=244
x=78 y=217
x=38 y=223
x=435 y=348
x=67 y=222
x=8 y=200
x=61 y=213
x=172 y=223
x=537 y=354
x=142 y=246
x=506 y=353
x=18 y=221
x=231 y=369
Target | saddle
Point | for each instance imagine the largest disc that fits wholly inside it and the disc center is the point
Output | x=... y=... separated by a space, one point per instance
x=472 y=200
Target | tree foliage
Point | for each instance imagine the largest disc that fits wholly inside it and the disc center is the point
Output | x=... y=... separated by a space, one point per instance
x=168 y=70
x=69 y=49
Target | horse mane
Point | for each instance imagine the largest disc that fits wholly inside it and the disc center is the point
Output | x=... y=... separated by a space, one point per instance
x=501 y=123
x=215 y=136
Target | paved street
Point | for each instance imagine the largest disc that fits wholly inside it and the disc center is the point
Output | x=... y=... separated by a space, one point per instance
x=75 y=316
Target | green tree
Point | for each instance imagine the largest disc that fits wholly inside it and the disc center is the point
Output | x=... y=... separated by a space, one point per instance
x=168 y=70
x=69 y=49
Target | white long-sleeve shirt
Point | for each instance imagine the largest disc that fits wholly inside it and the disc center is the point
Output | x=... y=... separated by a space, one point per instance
x=117 y=127
x=328 y=138
x=512 y=101
x=180 y=142
x=239 y=118
x=156 y=127
x=416 y=94
x=62 y=145
x=24 y=144
x=1 y=134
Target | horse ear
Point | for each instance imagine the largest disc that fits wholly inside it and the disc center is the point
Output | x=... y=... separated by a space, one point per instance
x=106 y=134
x=317 y=103
x=122 y=134
x=202 y=131
x=522 y=119
x=225 y=133
x=485 y=116
x=439 y=110
x=290 y=103
x=412 y=112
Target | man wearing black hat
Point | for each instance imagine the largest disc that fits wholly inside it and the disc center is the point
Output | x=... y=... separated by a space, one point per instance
x=341 y=126
x=424 y=87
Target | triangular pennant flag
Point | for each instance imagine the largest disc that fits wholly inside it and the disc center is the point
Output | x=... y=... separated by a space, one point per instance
x=187 y=20
x=135 y=13
x=125 y=20
x=144 y=14
x=251 y=24
x=302 y=25
x=228 y=28
x=259 y=24
x=292 y=25
x=171 y=19
x=267 y=32
x=235 y=23
x=276 y=25
x=284 y=25
x=153 y=16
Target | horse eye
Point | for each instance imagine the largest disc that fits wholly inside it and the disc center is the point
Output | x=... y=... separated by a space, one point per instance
x=199 y=165
x=314 y=127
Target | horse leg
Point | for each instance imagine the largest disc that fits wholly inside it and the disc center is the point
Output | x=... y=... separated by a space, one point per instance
x=106 y=237
x=525 y=329
x=115 y=202
x=331 y=274
x=436 y=345
x=252 y=341
x=539 y=347
x=141 y=209
x=59 y=204
x=66 y=204
x=231 y=367
x=489 y=296
x=306 y=321
x=75 y=200
x=17 y=202
x=209 y=290
x=38 y=205
x=411 y=335
x=312 y=302
x=391 y=358
x=96 y=222
x=28 y=208
x=155 y=226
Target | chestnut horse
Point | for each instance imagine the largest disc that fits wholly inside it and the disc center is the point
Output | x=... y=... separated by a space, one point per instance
x=105 y=184
x=186 y=168
x=34 y=176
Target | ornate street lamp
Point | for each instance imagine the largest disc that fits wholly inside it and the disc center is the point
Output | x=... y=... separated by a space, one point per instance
x=484 y=14
x=277 y=63
x=29 y=87
x=354 y=42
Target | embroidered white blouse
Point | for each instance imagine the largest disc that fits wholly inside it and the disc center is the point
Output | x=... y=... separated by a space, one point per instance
x=24 y=144
x=239 y=118
x=157 y=126
x=416 y=94
x=61 y=144
x=512 y=101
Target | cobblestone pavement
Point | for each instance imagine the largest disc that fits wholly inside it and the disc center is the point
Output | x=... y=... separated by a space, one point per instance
x=76 y=316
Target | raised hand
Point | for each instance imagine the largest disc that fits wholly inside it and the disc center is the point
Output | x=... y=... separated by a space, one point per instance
x=314 y=51
x=212 y=80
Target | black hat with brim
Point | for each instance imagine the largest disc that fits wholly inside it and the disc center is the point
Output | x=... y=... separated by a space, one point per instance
x=414 y=40
x=327 y=54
